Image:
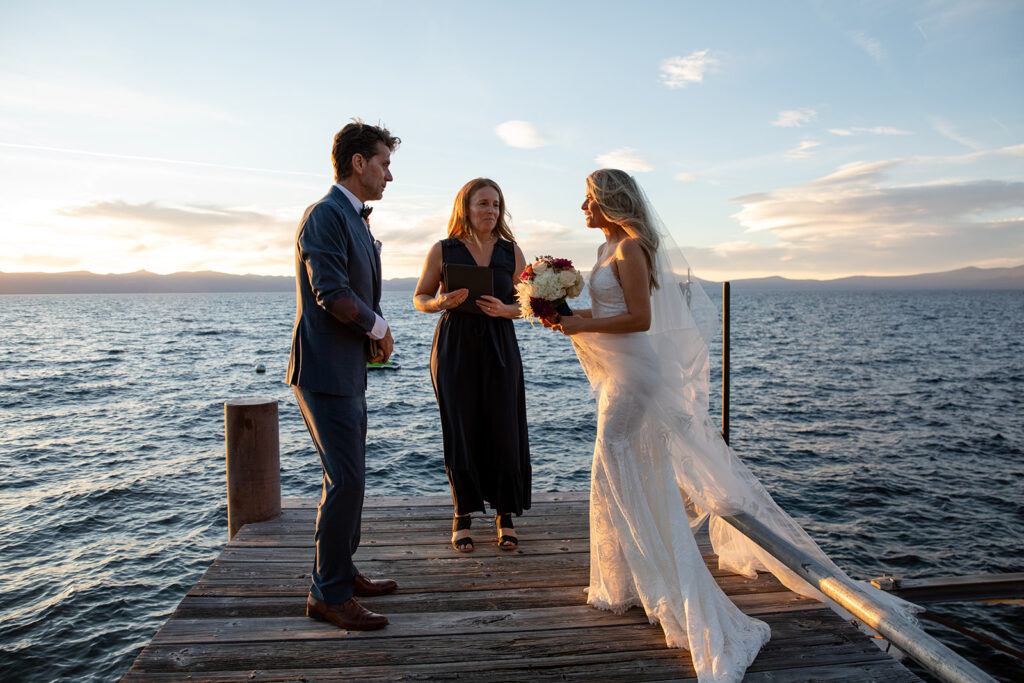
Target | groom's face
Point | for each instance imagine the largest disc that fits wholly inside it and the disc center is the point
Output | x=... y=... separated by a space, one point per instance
x=374 y=173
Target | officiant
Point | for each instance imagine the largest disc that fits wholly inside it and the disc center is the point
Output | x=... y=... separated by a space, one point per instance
x=469 y=278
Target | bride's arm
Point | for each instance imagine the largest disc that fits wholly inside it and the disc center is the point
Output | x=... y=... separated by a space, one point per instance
x=634 y=278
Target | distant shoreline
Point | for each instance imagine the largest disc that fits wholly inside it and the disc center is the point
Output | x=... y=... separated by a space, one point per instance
x=144 y=282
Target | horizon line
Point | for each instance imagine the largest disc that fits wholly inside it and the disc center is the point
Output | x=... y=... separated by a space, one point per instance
x=143 y=271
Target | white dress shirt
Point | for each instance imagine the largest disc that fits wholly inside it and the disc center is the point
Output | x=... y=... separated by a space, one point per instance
x=380 y=326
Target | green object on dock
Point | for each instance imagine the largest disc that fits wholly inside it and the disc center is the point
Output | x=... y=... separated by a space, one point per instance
x=389 y=365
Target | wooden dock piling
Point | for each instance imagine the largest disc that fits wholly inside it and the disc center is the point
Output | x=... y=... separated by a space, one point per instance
x=253 y=454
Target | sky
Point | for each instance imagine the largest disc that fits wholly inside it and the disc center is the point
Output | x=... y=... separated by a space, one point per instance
x=801 y=139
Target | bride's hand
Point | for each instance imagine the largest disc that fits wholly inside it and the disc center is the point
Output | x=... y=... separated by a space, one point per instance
x=570 y=324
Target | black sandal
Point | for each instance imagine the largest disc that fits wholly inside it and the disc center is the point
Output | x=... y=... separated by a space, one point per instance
x=505 y=542
x=460 y=523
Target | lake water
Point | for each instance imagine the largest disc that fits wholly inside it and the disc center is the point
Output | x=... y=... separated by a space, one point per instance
x=888 y=423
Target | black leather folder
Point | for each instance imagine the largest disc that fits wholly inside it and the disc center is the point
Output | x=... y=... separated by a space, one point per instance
x=479 y=280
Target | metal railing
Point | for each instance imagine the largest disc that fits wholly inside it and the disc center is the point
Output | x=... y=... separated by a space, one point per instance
x=891 y=625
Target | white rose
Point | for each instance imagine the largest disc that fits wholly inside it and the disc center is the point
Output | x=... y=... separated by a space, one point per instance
x=576 y=288
x=546 y=286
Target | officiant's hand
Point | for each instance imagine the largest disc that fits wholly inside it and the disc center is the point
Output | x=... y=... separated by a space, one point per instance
x=496 y=308
x=447 y=300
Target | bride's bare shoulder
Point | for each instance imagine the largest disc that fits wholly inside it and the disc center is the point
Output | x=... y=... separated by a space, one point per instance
x=629 y=248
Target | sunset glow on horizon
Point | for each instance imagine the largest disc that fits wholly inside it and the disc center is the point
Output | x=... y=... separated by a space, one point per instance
x=805 y=139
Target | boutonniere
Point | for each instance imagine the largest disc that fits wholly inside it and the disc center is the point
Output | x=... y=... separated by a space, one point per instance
x=377 y=245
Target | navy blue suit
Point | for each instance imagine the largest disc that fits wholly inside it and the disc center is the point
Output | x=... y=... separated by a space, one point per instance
x=337 y=287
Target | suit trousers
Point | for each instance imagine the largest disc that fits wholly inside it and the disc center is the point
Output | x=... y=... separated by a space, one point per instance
x=337 y=425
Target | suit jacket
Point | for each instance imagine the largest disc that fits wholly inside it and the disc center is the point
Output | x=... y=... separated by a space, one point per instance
x=335 y=259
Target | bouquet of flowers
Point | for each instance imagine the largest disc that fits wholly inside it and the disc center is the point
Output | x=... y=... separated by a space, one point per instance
x=545 y=285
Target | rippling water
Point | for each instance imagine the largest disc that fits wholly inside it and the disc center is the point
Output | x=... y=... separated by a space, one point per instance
x=889 y=424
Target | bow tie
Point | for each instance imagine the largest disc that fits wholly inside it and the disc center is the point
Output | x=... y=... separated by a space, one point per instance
x=364 y=212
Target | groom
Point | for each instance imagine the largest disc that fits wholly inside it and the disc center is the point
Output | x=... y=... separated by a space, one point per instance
x=338 y=327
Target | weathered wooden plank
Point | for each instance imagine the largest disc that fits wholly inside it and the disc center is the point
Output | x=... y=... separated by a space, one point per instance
x=433 y=500
x=577 y=510
x=450 y=622
x=799 y=632
x=883 y=670
x=1007 y=586
x=199 y=607
x=440 y=548
x=304 y=539
x=246 y=552
x=298 y=584
x=442 y=558
x=447 y=562
x=654 y=666
x=429 y=526
x=193 y=607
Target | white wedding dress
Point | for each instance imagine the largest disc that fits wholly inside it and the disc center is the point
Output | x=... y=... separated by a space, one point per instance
x=642 y=550
x=657 y=451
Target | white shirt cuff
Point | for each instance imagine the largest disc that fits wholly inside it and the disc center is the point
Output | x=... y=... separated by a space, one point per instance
x=380 y=328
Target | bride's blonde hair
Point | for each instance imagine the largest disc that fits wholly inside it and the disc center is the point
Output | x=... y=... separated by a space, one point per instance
x=622 y=202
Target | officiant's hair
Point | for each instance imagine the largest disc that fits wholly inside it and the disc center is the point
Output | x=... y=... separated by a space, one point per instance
x=458 y=223
x=623 y=203
x=358 y=138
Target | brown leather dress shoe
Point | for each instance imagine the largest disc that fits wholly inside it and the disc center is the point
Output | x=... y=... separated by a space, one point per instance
x=349 y=614
x=366 y=588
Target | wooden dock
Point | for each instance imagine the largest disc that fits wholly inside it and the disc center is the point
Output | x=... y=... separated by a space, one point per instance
x=484 y=616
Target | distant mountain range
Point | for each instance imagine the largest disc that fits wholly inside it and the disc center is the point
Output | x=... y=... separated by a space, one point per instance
x=82 y=282
x=962 y=278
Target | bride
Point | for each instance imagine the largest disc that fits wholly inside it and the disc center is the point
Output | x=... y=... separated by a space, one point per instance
x=643 y=348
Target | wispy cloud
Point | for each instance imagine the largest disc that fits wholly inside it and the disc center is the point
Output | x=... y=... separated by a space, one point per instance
x=626 y=159
x=1002 y=154
x=539 y=229
x=856 y=217
x=679 y=72
x=521 y=134
x=156 y=160
x=946 y=130
x=103 y=100
x=951 y=14
x=685 y=177
x=869 y=45
x=789 y=118
x=48 y=261
x=875 y=130
x=197 y=224
x=804 y=150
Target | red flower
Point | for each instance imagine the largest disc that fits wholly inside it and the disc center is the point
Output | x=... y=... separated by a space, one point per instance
x=542 y=308
x=561 y=264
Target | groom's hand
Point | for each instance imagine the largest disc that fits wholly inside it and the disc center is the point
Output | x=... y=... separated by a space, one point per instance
x=386 y=346
x=374 y=355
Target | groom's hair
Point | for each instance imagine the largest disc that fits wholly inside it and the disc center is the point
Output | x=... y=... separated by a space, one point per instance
x=358 y=138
